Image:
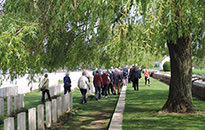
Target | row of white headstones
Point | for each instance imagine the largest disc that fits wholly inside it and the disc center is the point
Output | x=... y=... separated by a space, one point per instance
x=53 y=110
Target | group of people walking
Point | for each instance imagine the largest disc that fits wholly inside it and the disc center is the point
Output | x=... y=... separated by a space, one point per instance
x=105 y=82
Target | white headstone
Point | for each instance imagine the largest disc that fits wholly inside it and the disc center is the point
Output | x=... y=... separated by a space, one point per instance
x=54 y=110
x=21 y=100
x=21 y=121
x=64 y=103
x=41 y=117
x=8 y=91
x=32 y=118
x=16 y=103
x=1 y=106
x=71 y=101
x=68 y=102
x=1 y=92
x=9 y=123
x=9 y=105
x=5 y=90
x=48 y=114
x=59 y=106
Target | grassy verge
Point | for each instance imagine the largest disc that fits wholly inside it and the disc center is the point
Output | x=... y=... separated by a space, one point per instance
x=198 y=71
x=94 y=114
x=141 y=106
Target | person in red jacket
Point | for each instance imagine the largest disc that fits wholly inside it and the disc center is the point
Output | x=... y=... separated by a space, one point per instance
x=146 y=74
x=106 y=82
x=98 y=82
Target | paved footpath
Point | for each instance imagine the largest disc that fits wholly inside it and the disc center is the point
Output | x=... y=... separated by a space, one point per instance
x=116 y=122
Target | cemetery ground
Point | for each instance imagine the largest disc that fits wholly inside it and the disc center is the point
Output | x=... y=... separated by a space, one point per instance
x=94 y=114
x=141 y=110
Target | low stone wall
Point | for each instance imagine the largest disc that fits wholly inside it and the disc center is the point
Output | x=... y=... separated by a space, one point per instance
x=198 y=86
x=198 y=89
x=163 y=77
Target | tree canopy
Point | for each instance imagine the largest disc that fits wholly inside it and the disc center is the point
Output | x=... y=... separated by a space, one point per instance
x=38 y=34
x=49 y=34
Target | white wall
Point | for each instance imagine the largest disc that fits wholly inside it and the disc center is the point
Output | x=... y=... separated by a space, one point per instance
x=24 y=87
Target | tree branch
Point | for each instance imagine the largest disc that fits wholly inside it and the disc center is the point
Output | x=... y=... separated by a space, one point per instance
x=18 y=21
x=122 y=12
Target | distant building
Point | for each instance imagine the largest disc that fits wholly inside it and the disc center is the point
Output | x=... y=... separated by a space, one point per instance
x=165 y=59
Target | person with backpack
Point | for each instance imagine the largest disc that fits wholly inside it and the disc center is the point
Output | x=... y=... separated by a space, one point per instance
x=67 y=83
x=117 y=80
x=98 y=83
x=44 y=88
x=135 y=76
x=110 y=86
x=106 y=82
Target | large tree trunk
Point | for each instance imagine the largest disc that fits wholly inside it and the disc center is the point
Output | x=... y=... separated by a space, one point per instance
x=180 y=96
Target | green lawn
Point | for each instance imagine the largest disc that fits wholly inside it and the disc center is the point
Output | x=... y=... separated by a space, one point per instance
x=95 y=115
x=198 y=71
x=142 y=106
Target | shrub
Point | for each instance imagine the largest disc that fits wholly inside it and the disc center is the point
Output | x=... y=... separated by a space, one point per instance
x=166 y=66
x=1 y=120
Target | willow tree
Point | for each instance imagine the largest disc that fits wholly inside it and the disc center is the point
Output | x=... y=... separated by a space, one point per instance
x=40 y=34
x=178 y=23
x=129 y=44
x=48 y=34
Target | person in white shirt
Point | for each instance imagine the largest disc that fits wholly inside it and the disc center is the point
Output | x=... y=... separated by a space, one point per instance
x=83 y=85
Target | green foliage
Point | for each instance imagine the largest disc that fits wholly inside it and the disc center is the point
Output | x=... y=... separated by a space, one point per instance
x=47 y=35
x=60 y=81
x=171 y=19
x=198 y=63
x=128 y=45
x=166 y=66
x=198 y=71
x=1 y=120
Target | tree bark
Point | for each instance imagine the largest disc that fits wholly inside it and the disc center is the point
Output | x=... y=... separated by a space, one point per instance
x=180 y=96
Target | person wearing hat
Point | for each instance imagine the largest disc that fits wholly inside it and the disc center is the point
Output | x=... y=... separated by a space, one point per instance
x=67 y=83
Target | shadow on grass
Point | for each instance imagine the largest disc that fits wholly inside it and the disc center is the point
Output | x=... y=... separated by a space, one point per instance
x=94 y=114
x=142 y=106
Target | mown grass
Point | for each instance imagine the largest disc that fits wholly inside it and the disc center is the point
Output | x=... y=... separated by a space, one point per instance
x=94 y=114
x=142 y=106
x=198 y=71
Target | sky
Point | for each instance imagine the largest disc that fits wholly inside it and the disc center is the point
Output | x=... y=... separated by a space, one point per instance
x=1 y=4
